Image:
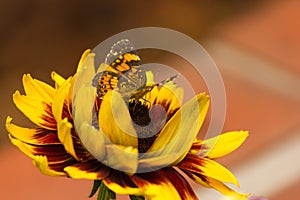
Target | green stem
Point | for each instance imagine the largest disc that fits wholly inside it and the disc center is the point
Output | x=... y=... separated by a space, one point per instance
x=132 y=197
x=105 y=193
x=95 y=187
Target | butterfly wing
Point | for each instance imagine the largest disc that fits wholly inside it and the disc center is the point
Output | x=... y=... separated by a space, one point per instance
x=125 y=60
x=118 y=49
x=124 y=71
x=133 y=75
x=105 y=81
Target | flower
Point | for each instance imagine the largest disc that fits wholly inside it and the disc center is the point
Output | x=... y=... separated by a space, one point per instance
x=107 y=141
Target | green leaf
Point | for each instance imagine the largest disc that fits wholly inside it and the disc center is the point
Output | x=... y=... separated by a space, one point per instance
x=132 y=197
x=105 y=193
x=95 y=187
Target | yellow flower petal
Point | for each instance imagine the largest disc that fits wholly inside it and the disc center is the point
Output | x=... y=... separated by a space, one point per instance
x=83 y=58
x=151 y=96
x=90 y=169
x=219 y=186
x=84 y=107
x=41 y=162
x=85 y=72
x=171 y=96
x=158 y=186
x=93 y=140
x=63 y=126
x=25 y=148
x=122 y=158
x=207 y=168
x=76 y=173
x=162 y=184
x=179 y=182
x=69 y=98
x=223 y=144
x=150 y=77
x=83 y=94
x=24 y=134
x=58 y=157
x=29 y=135
x=161 y=192
x=37 y=89
x=35 y=109
x=121 y=183
x=216 y=171
x=115 y=120
x=59 y=100
x=155 y=185
x=179 y=132
x=49 y=90
x=225 y=190
x=156 y=162
x=59 y=80
x=65 y=136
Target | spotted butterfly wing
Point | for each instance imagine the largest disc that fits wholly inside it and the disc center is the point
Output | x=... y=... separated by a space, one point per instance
x=105 y=81
x=124 y=71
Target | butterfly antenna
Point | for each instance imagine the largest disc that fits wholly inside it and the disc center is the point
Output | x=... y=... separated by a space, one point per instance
x=172 y=78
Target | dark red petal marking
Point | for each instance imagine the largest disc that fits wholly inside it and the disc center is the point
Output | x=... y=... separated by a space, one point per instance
x=59 y=166
x=121 y=179
x=192 y=174
x=196 y=146
x=166 y=104
x=80 y=150
x=93 y=165
x=191 y=163
x=180 y=183
x=49 y=118
x=167 y=175
x=46 y=137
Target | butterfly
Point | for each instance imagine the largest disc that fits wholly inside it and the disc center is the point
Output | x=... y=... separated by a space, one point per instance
x=124 y=72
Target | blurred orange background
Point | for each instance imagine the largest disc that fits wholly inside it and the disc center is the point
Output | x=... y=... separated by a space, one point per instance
x=255 y=44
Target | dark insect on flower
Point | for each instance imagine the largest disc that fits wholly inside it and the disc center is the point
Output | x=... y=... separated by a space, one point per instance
x=124 y=71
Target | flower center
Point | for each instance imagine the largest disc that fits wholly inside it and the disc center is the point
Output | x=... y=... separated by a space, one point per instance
x=148 y=121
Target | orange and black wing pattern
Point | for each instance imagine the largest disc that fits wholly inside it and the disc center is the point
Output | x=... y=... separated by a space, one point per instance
x=124 y=71
x=106 y=81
